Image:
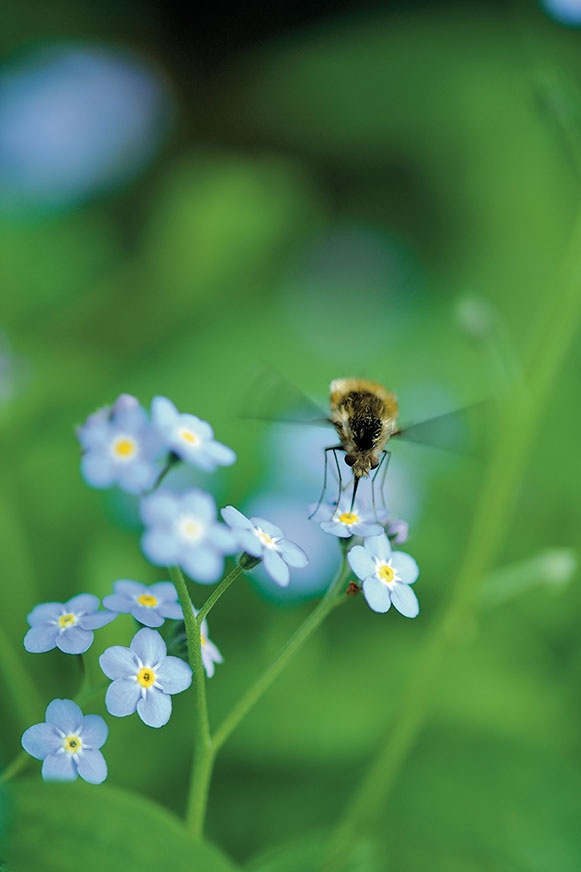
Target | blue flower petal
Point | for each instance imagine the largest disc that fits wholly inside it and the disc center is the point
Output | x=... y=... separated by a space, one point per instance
x=276 y=567
x=405 y=566
x=163 y=412
x=173 y=611
x=366 y=529
x=174 y=675
x=149 y=617
x=200 y=504
x=40 y=639
x=75 y=640
x=92 y=767
x=118 y=662
x=292 y=554
x=162 y=590
x=378 y=546
x=221 y=454
x=249 y=542
x=98 y=471
x=97 y=620
x=128 y=588
x=87 y=603
x=160 y=547
x=59 y=767
x=94 y=731
x=155 y=708
x=203 y=565
x=45 y=612
x=235 y=518
x=270 y=529
x=41 y=740
x=377 y=594
x=122 y=697
x=149 y=646
x=118 y=603
x=159 y=508
x=361 y=561
x=405 y=600
x=64 y=714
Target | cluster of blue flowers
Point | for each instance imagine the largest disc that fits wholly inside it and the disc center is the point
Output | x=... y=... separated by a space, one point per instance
x=124 y=445
x=386 y=574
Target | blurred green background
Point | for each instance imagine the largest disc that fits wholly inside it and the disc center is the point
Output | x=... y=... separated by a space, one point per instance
x=322 y=190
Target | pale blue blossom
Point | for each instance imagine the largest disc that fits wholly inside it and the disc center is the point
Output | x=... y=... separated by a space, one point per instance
x=150 y=605
x=183 y=530
x=143 y=678
x=68 y=626
x=386 y=575
x=189 y=437
x=68 y=743
x=120 y=447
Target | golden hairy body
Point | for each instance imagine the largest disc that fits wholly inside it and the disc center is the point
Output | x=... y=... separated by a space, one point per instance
x=364 y=415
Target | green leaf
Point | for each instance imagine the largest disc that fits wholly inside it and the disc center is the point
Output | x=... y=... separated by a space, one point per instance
x=67 y=827
x=309 y=853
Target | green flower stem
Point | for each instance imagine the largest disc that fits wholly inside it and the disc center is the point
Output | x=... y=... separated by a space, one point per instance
x=17 y=765
x=218 y=591
x=521 y=416
x=333 y=597
x=203 y=761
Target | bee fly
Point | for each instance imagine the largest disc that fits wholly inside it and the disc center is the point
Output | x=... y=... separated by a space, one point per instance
x=364 y=415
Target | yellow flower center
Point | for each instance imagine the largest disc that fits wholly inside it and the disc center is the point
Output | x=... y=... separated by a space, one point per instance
x=72 y=744
x=147 y=600
x=146 y=676
x=349 y=518
x=266 y=540
x=68 y=620
x=124 y=448
x=203 y=640
x=386 y=573
x=187 y=436
x=190 y=528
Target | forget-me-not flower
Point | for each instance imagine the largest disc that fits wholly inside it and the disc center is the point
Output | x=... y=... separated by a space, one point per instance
x=189 y=437
x=143 y=678
x=120 y=446
x=343 y=521
x=386 y=575
x=183 y=530
x=150 y=605
x=210 y=653
x=68 y=743
x=68 y=626
x=264 y=541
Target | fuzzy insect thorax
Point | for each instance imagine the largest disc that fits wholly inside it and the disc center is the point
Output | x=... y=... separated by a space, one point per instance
x=364 y=414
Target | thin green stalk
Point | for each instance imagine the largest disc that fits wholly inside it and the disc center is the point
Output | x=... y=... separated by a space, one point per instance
x=333 y=597
x=218 y=591
x=203 y=751
x=521 y=419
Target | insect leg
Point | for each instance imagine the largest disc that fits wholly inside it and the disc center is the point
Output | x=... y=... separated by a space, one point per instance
x=383 y=466
x=334 y=449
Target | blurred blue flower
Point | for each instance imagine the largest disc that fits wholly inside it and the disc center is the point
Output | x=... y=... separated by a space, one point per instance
x=120 y=447
x=386 y=575
x=210 y=653
x=143 y=678
x=567 y=12
x=182 y=530
x=68 y=626
x=68 y=743
x=150 y=605
x=343 y=521
x=189 y=437
x=264 y=541
x=76 y=120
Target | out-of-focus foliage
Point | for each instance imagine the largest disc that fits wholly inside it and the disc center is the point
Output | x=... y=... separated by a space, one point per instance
x=324 y=200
